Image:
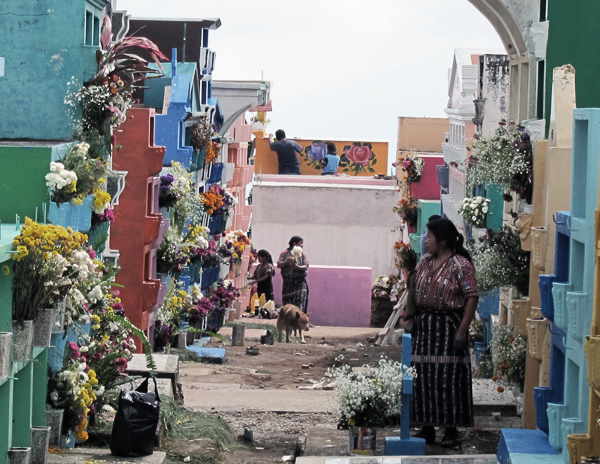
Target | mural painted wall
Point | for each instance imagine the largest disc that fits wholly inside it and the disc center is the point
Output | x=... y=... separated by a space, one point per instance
x=356 y=158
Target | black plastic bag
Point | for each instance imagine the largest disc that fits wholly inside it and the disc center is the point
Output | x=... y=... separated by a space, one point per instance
x=135 y=422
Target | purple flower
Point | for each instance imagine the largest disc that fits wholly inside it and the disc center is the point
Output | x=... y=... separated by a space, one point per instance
x=317 y=151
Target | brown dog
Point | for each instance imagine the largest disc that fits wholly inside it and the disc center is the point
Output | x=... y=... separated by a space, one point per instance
x=291 y=318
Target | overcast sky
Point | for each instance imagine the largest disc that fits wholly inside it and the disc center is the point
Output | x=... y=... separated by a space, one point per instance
x=340 y=69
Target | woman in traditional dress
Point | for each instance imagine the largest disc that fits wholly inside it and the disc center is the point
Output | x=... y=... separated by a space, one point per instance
x=263 y=275
x=293 y=271
x=445 y=295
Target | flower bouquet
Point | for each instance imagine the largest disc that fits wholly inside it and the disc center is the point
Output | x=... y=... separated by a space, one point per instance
x=499 y=261
x=240 y=242
x=505 y=158
x=217 y=201
x=370 y=397
x=412 y=164
x=408 y=211
x=78 y=176
x=170 y=255
x=201 y=306
x=223 y=295
x=473 y=210
x=202 y=134
x=406 y=258
x=509 y=352
x=213 y=152
x=45 y=267
x=174 y=185
x=73 y=389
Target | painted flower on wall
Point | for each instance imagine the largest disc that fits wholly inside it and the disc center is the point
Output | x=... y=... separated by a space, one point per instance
x=317 y=151
x=359 y=154
x=358 y=158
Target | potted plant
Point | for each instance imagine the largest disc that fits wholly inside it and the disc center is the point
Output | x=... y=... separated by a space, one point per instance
x=367 y=399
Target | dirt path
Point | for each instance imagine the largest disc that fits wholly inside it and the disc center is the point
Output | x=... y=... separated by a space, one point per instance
x=260 y=394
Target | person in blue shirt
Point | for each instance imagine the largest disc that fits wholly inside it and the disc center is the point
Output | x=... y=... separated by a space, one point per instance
x=286 y=150
x=330 y=163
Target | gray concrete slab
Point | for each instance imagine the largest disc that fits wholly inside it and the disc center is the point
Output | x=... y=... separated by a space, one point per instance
x=167 y=367
x=456 y=459
x=82 y=455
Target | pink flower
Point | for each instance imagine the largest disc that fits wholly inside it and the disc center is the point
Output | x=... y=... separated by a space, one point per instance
x=73 y=346
x=359 y=155
x=92 y=253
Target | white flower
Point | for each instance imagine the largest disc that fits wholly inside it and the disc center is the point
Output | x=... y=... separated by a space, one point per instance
x=474 y=218
x=296 y=252
x=484 y=209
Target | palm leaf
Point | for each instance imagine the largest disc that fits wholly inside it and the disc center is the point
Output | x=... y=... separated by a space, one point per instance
x=150 y=364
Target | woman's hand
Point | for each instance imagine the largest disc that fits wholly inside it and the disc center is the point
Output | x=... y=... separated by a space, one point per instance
x=460 y=339
x=409 y=326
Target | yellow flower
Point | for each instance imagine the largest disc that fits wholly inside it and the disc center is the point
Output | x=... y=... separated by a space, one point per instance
x=6 y=270
x=96 y=320
x=351 y=422
x=102 y=180
x=77 y=201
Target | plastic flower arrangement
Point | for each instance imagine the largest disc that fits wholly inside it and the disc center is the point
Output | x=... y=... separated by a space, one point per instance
x=412 y=164
x=72 y=389
x=77 y=176
x=509 y=352
x=407 y=210
x=499 y=261
x=43 y=275
x=505 y=158
x=368 y=398
x=473 y=210
x=406 y=258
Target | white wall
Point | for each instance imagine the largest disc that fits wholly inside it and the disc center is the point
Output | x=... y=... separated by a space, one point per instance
x=342 y=225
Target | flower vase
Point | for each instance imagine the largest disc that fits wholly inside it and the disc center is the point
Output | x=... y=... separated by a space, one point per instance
x=40 y=438
x=223 y=270
x=5 y=344
x=98 y=235
x=362 y=440
x=54 y=420
x=42 y=327
x=59 y=317
x=67 y=441
x=22 y=340
x=19 y=455
x=78 y=217
x=165 y=278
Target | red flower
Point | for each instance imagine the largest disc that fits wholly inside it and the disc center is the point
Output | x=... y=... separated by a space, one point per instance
x=359 y=155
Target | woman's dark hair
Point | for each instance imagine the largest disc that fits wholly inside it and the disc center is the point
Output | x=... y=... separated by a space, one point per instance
x=267 y=255
x=444 y=229
x=295 y=239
